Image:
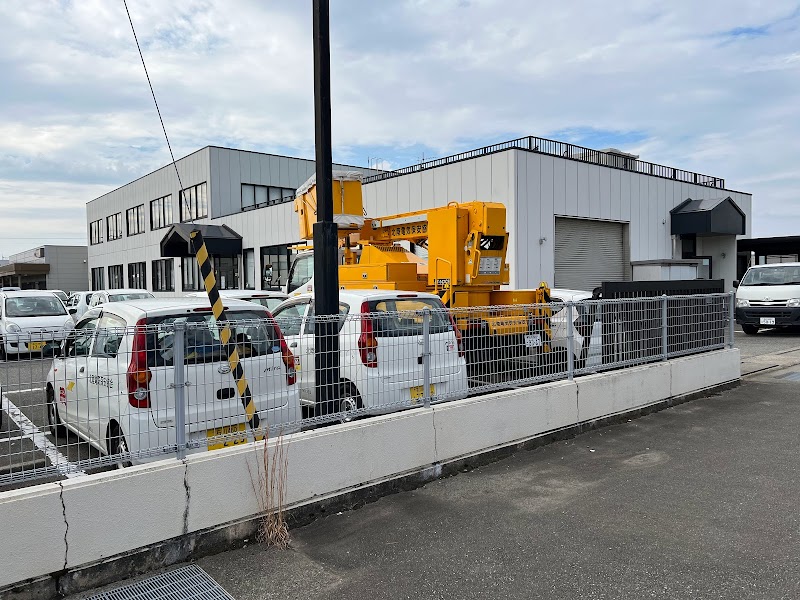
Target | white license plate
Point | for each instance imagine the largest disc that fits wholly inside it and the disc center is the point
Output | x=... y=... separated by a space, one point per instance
x=533 y=340
x=767 y=320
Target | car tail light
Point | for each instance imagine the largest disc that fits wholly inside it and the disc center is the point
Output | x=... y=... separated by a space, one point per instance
x=286 y=356
x=139 y=374
x=459 y=340
x=367 y=343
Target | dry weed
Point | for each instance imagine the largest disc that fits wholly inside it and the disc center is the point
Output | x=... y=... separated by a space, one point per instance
x=269 y=485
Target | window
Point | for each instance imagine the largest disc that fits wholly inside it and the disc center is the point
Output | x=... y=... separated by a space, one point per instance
x=115 y=279
x=249 y=269
x=290 y=318
x=274 y=266
x=79 y=340
x=161 y=212
x=97 y=279
x=109 y=336
x=163 y=279
x=135 y=220
x=190 y=275
x=263 y=195
x=96 y=232
x=194 y=203
x=301 y=272
x=402 y=317
x=226 y=272
x=114 y=226
x=137 y=275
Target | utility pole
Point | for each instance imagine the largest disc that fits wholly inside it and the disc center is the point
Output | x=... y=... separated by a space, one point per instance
x=326 y=254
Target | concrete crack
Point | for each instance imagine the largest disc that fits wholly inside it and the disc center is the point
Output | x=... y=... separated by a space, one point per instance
x=66 y=523
x=435 y=441
x=188 y=496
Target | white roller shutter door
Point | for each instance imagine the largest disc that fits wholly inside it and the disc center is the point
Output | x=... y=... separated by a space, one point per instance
x=589 y=252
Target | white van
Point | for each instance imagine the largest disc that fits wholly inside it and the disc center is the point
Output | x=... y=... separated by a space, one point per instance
x=768 y=296
x=114 y=382
x=31 y=321
x=380 y=349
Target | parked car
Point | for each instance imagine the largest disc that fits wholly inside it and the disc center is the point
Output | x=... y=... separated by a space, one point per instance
x=61 y=295
x=78 y=304
x=268 y=299
x=380 y=353
x=120 y=295
x=587 y=331
x=113 y=381
x=31 y=321
x=768 y=296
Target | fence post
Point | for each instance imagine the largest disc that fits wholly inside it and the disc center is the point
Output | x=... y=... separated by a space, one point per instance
x=179 y=353
x=570 y=341
x=426 y=356
x=732 y=319
x=664 y=328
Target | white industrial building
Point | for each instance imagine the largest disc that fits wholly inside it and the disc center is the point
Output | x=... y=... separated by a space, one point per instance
x=576 y=216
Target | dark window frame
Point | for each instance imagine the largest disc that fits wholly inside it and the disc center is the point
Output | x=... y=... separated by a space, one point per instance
x=96 y=232
x=115 y=232
x=117 y=268
x=137 y=275
x=161 y=207
x=138 y=220
x=160 y=275
x=191 y=202
x=97 y=275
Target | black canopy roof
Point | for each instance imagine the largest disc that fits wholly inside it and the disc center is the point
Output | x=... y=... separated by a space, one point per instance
x=220 y=240
x=713 y=216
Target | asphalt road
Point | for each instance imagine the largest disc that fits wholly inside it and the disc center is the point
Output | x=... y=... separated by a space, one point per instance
x=696 y=501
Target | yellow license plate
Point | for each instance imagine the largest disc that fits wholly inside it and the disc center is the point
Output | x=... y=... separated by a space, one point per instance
x=213 y=434
x=36 y=346
x=418 y=392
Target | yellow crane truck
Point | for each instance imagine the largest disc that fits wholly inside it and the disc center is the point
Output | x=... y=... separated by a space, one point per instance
x=466 y=266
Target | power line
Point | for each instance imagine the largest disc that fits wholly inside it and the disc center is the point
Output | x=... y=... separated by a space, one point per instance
x=158 y=110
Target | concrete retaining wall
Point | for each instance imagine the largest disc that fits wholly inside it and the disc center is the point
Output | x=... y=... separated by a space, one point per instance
x=54 y=527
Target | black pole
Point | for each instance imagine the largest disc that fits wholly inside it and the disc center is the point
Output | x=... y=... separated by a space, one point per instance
x=326 y=259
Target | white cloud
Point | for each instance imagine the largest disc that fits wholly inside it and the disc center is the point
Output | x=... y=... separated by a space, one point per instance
x=443 y=75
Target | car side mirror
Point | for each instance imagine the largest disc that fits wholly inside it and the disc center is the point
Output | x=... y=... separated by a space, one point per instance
x=72 y=311
x=736 y=283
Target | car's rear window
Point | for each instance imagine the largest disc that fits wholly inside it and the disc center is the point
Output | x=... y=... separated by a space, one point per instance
x=35 y=306
x=252 y=331
x=269 y=303
x=399 y=317
x=131 y=296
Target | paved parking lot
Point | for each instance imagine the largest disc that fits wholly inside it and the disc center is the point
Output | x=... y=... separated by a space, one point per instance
x=25 y=441
x=697 y=501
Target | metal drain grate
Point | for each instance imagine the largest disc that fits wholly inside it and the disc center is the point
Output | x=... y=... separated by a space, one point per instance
x=186 y=583
x=791 y=376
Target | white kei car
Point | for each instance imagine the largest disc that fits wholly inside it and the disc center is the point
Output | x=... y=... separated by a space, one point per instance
x=118 y=295
x=113 y=383
x=78 y=303
x=31 y=321
x=380 y=349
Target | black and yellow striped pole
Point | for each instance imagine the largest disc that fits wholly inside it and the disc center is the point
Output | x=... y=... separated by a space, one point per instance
x=218 y=310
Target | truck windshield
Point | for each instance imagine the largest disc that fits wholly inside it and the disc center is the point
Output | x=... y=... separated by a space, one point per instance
x=301 y=273
x=776 y=275
x=35 y=306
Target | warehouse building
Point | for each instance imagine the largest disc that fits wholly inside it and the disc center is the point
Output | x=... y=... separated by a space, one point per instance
x=47 y=268
x=576 y=216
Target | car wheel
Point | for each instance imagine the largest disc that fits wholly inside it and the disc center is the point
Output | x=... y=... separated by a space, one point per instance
x=118 y=445
x=54 y=422
x=349 y=401
x=750 y=329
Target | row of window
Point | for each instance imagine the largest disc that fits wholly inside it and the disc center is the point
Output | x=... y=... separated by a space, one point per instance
x=275 y=262
x=255 y=196
x=163 y=280
x=194 y=205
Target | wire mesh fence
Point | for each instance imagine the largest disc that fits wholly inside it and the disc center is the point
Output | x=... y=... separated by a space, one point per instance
x=118 y=389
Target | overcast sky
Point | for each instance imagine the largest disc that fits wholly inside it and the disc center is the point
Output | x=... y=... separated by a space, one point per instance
x=711 y=86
